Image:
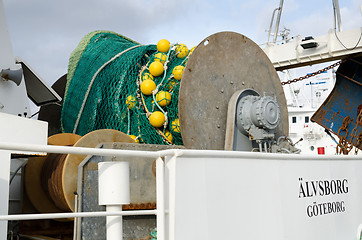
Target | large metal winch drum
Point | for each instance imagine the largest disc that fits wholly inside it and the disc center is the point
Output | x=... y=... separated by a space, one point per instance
x=221 y=65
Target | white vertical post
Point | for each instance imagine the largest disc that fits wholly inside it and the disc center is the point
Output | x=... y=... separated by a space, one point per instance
x=114 y=224
x=278 y=20
x=359 y=232
x=76 y=220
x=4 y=188
x=337 y=16
x=113 y=192
x=160 y=191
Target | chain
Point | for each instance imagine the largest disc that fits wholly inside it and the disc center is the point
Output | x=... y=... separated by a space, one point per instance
x=344 y=146
x=314 y=73
x=359 y=141
x=354 y=131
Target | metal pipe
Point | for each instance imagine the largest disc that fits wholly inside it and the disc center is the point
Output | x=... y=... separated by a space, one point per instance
x=76 y=220
x=334 y=16
x=114 y=224
x=169 y=152
x=114 y=191
x=256 y=156
x=23 y=236
x=337 y=16
x=266 y=146
x=278 y=20
x=16 y=171
x=271 y=23
x=75 y=214
x=359 y=232
x=160 y=192
x=76 y=150
x=113 y=183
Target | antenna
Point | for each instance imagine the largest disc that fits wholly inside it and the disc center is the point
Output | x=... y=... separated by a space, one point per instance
x=337 y=16
x=279 y=9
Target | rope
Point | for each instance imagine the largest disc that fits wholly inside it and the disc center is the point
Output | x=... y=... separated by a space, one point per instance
x=91 y=83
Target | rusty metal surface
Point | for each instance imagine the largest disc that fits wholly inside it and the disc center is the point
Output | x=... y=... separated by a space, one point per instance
x=142 y=192
x=221 y=65
x=344 y=101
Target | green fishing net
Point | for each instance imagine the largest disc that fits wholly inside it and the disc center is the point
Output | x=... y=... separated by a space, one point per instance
x=103 y=89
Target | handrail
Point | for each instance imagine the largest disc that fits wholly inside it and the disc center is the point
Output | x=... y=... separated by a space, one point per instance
x=75 y=214
x=164 y=153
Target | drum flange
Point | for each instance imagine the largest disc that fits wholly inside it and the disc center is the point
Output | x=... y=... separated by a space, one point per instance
x=221 y=65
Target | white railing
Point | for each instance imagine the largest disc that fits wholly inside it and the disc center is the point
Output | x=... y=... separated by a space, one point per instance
x=161 y=193
x=16 y=217
x=159 y=211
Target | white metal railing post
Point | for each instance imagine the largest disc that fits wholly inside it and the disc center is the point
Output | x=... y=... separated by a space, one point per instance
x=113 y=192
x=160 y=198
x=359 y=232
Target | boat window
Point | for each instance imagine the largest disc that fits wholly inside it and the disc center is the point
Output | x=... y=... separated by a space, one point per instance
x=294 y=119
x=306 y=119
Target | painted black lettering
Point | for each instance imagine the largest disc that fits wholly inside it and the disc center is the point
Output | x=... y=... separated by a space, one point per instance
x=325 y=208
x=342 y=206
x=339 y=187
x=307 y=187
x=314 y=185
x=315 y=209
x=321 y=188
x=333 y=187
x=301 y=190
x=333 y=207
x=326 y=188
x=329 y=207
x=345 y=185
x=309 y=211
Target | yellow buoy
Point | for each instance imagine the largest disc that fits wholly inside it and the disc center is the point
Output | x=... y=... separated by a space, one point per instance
x=181 y=50
x=146 y=76
x=163 y=98
x=168 y=136
x=157 y=119
x=170 y=85
x=192 y=50
x=178 y=71
x=147 y=87
x=156 y=69
x=131 y=102
x=136 y=139
x=175 y=125
x=160 y=57
x=163 y=45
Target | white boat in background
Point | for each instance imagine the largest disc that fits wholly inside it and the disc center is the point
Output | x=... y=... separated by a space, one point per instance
x=303 y=99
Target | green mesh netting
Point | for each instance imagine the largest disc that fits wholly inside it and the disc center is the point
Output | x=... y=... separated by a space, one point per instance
x=103 y=89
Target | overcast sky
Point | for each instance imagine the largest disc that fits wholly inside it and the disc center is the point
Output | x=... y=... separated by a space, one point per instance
x=45 y=32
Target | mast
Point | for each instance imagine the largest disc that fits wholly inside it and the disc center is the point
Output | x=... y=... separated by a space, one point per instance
x=278 y=20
